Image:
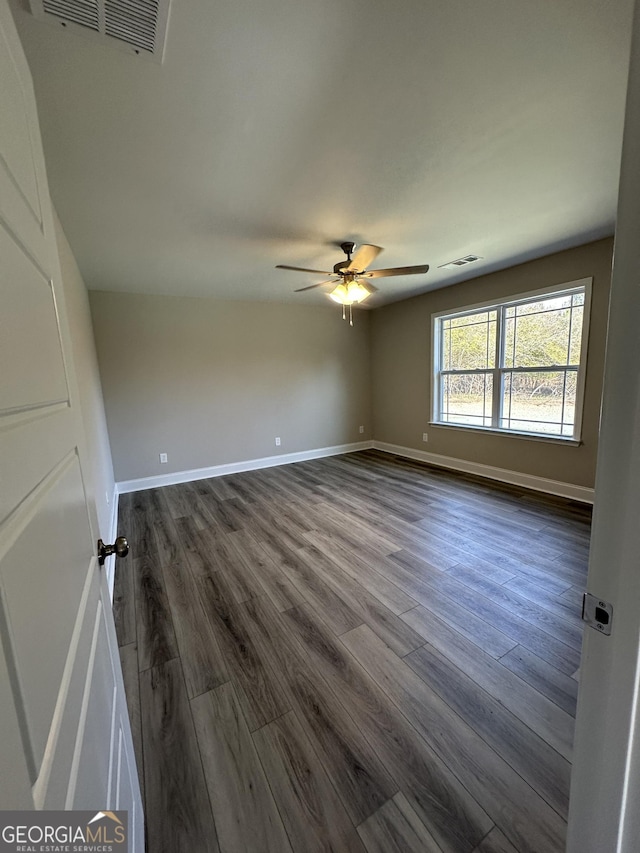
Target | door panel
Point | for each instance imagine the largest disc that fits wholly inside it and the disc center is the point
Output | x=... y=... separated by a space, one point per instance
x=40 y=592
x=90 y=774
x=50 y=791
x=31 y=339
x=15 y=788
x=65 y=730
x=16 y=147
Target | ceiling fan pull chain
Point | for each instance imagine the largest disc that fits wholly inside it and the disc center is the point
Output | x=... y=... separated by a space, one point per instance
x=351 y=315
x=344 y=308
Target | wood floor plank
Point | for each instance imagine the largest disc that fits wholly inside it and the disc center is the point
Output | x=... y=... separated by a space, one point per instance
x=362 y=569
x=570 y=540
x=495 y=842
x=180 y=502
x=358 y=532
x=573 y=564
x=555 y=621
x=546 y=679
x=337 y=613
x=538 y=712
x=271 y=578
x=236 y=569
x=551 y=582
x=574 y=596
x=294 y=485
x=154 y=626
x=450 y=814
x=370 y=610
x=494 y=573
x=178 y=812
x=272 y=530
x=197 y=544
x=402 y=532
x=554 y=602
x=259 y=689
x=167 y=538
x=129 y=664
x=140 y=534
x=124 y=613
x=312 y=813
x=191 y=504
x=431 y=597
x=445 y=533
x=396 y=828
x=539 y=764
x=245 y=813
x=528 y=821
x=544 y=643
x=222 y=515
x=202 y=662
x=505 y=535
x=221 y=487
x=352 y=765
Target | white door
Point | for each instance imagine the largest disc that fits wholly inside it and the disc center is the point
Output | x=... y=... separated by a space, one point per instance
x=605 y=785
x=65 y=740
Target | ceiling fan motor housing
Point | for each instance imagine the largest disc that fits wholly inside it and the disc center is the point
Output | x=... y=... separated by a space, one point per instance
x=347 y=248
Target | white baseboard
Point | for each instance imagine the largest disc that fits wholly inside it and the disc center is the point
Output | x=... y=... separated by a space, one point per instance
x=515 y=478
x=237 y=467
x=110 y=562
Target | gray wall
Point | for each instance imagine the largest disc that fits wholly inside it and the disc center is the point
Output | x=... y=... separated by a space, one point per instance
x=100 y=483
x=211 y=382
x=401 y=377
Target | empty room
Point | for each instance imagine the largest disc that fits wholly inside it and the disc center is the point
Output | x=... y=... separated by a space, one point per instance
x=319 y=426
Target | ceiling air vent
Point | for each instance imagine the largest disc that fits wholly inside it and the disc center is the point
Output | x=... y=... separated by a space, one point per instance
x=137 y=26
x=460 y=262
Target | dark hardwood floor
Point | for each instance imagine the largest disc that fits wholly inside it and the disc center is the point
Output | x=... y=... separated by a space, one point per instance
x=358 y=653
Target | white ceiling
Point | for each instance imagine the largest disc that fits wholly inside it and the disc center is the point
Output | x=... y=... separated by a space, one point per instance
x=275 y=129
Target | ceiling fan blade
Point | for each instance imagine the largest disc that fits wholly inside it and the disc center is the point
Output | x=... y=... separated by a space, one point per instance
x=311 y=286
x=302 y=269
x=365 y=255
x=419 y=270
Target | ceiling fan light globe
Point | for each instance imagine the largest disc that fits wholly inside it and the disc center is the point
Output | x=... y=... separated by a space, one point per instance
x=339 y=294
x=357 y=291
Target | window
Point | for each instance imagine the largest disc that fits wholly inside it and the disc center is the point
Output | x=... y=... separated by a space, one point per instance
x=515 y=366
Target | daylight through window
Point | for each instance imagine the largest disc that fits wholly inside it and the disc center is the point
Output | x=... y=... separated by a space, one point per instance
x=516 y=366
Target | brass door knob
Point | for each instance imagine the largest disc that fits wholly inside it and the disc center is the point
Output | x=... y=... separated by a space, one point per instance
x=120 y=548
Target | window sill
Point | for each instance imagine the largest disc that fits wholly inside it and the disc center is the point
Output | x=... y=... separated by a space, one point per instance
x=532 y=436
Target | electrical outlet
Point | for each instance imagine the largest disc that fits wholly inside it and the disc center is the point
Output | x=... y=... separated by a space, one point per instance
x=163 y=458
x=277 y=441
x=361 y=430
x=425 y=436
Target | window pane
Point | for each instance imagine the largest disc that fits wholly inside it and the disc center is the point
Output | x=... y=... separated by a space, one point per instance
x=539 y=402
x=537 y=334
x=469 y=343
x=467 y=399
x=551 y=303
x=576 y=335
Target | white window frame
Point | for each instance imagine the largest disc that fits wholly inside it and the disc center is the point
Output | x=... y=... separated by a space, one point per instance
x=500 y=307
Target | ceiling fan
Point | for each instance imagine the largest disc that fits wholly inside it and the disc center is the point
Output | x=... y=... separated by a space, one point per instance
x=351 y=274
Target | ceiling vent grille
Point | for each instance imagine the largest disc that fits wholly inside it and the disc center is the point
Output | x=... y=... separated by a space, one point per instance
x=460 y=262
x=137 y=26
